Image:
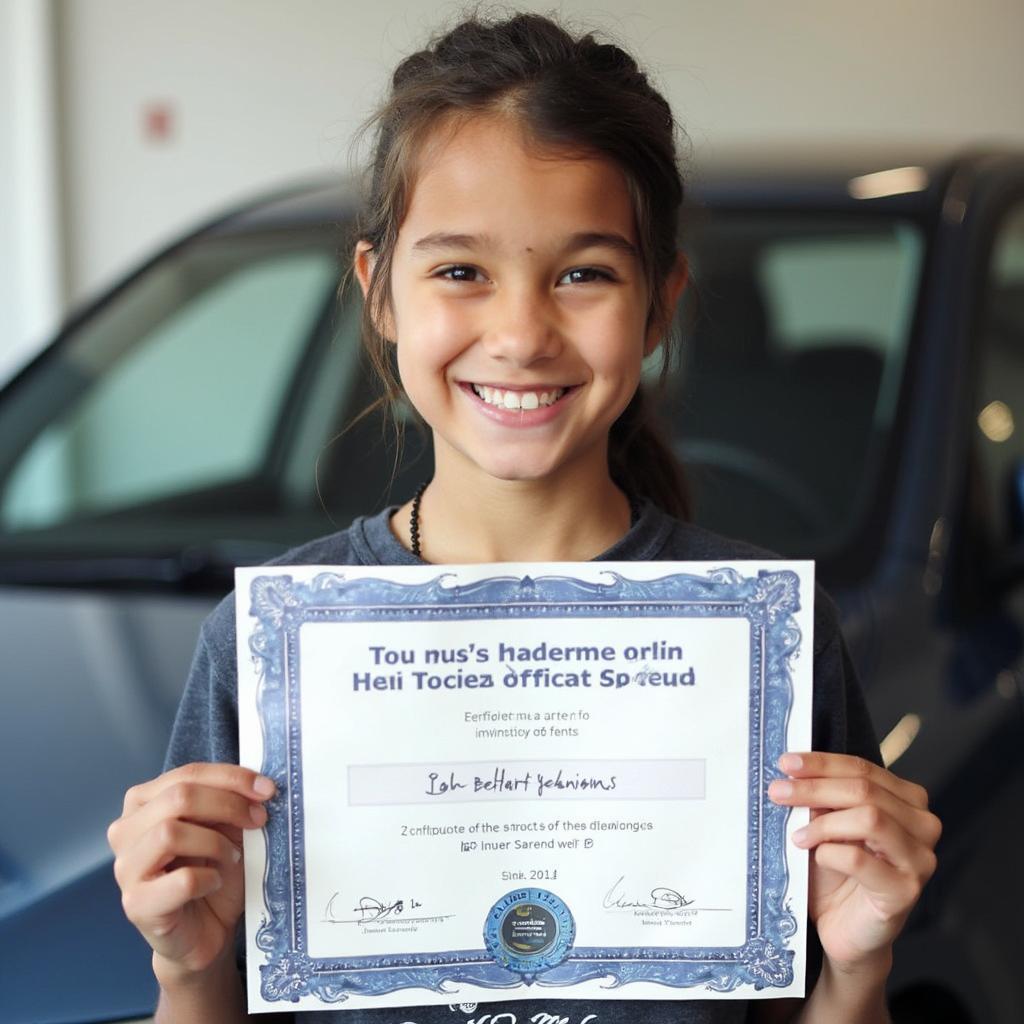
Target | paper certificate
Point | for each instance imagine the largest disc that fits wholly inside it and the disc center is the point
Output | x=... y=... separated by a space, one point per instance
x=524 y=780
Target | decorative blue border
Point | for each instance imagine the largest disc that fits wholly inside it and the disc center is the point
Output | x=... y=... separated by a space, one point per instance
x=768 y=601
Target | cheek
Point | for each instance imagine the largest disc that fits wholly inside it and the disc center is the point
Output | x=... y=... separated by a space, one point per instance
x=430 y=338
x=615 y=350
x=424 y=353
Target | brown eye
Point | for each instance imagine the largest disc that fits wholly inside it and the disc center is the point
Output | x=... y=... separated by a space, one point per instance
x=459 y=273
x=585 y=275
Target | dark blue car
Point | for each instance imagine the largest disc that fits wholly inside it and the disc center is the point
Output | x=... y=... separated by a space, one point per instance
x=852 y=390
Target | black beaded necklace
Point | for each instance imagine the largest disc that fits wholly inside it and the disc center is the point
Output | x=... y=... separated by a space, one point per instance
x=414 y=516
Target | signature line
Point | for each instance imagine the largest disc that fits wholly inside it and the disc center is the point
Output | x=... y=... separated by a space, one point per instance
x=667 y=910
x=390 y=920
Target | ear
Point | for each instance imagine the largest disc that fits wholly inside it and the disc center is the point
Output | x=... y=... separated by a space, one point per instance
x=363 y=261
x=671 y=291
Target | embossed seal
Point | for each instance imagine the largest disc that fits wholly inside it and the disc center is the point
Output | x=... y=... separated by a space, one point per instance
x=529 y=931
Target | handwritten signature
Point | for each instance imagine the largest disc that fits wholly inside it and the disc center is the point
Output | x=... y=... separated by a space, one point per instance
x=369 y=910
x=660 y=898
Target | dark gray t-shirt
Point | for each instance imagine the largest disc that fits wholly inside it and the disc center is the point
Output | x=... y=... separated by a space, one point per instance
x=206 y=729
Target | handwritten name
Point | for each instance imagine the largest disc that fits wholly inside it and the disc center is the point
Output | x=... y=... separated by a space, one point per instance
x=503 y=781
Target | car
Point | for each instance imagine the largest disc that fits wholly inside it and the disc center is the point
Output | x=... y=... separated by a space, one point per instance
x=851 y=389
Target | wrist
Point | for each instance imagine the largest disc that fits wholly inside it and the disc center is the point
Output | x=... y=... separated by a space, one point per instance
x=874 y=966
x=850 y=992
x=211 y=995
x=176 y=975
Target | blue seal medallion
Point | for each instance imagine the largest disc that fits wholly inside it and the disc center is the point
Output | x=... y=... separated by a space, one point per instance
x=529 y=931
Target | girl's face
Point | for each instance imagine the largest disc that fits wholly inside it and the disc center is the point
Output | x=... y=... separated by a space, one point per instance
x=519 y=302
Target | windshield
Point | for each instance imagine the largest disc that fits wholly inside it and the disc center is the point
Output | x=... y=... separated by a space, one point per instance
x=204 y=407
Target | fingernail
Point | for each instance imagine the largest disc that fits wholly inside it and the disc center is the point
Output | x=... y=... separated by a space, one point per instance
x=799 y=835
x=263 y=786
x=791 y=762
x=781 y=789
x=258 y=813
x=236 y=854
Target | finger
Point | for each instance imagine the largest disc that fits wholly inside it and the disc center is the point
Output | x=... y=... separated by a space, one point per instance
x=169 y=841
x=822 y=765
x=232 y=834
x=896 y=891
x=243 y=781
x=837 y=793
x=878 y=832
x=149 y=904
x=188 y=801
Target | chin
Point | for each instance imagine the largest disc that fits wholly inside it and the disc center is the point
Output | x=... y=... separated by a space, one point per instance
x=518 y=470
x=517 y=474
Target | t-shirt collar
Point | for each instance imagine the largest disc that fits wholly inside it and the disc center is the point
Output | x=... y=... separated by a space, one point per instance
x=379 y=546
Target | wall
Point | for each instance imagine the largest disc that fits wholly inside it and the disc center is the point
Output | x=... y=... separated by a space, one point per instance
x=30 y=280
x=262 y=91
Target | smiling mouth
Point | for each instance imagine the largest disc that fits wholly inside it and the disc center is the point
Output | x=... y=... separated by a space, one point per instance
x=509 y=399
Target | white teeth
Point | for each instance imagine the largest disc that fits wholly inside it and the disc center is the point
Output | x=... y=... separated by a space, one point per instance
x=517 y=399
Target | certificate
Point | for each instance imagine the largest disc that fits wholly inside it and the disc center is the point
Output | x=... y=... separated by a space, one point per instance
x=508 y=781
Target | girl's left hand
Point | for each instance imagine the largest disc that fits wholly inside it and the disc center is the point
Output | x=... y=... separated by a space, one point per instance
x=872 y=841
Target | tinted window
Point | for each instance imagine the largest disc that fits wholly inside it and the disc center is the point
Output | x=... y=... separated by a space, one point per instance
x=213 y=402
x=792 y=366
x=181 y=385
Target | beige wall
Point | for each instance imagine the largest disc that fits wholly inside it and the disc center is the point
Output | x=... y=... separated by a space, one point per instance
x=264 y=90
x=30 y=292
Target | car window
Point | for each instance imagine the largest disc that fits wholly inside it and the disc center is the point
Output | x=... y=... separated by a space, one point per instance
x=215 y=400
x=852 y=289
x=999 y=403
x=793 y=359
x=178 y=383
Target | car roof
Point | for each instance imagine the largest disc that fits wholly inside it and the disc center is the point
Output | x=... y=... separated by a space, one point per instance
x=780 y=174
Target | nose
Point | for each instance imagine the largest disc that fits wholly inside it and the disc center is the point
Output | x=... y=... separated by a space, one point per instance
x=521 y=327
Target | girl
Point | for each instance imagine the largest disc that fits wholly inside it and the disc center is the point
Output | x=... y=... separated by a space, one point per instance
x=518 y=258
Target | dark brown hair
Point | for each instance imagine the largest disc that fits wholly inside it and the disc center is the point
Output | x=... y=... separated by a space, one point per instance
x=567 y=93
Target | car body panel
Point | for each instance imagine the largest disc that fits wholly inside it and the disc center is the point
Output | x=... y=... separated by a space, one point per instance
x=97 y=647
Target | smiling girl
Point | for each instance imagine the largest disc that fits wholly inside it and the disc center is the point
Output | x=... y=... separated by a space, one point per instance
x=518 y=258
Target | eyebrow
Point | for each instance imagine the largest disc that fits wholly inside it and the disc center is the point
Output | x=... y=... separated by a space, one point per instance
x=442 y=240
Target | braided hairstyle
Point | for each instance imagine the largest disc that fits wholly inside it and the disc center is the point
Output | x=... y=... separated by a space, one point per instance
x=567 y=93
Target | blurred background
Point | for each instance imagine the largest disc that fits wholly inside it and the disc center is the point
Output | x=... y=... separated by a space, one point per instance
x=122 y=122
x=175 y=189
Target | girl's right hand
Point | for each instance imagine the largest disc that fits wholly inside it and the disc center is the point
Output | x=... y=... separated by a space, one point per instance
x=177 y=858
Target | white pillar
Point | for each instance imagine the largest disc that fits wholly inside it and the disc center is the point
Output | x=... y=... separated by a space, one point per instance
x=30 y=264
